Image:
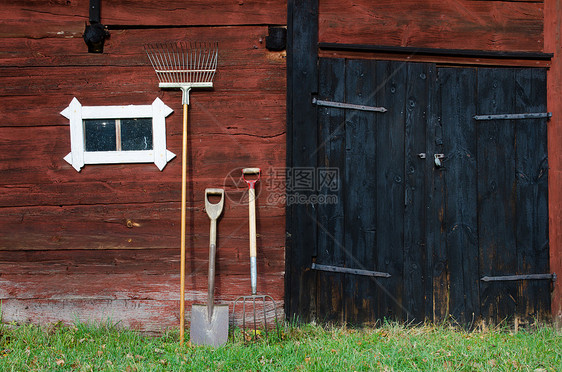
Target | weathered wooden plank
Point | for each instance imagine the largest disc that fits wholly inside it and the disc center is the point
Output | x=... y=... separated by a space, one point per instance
x=460 y=184
x=436 y=289
x=479 y=25
x=66 y=19
x=360 y=196
x=526 y=1
x=415 y=248
x=121 y=277
x=531 y=172
x=105 y=82
x=390 y=93
x=134 y=286
x=130 y=226
x=552 y=34
x=149 y=262
x=302 y=142
x=497 y=192
x=237 y=112
x=437 y=58
x=331 y=154
x=142 y=315
x=35 y=173
x=238 y=46
x=149 y=316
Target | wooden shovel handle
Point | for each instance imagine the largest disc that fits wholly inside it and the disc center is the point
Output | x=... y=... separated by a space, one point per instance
x=211 y=273
x=252 y=214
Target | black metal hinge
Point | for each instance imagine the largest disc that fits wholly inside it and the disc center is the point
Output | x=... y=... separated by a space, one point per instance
x=346 y=270
x=538 y=115
x=350 y=106
x=519 y=277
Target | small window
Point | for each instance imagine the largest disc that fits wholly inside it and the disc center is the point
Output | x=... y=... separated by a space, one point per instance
x=118 y=134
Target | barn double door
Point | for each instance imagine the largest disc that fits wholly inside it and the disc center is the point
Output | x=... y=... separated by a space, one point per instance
x=435 y=213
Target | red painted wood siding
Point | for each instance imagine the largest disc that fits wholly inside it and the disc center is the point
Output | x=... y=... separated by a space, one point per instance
x=103 y=244
x=448 y=24
x=553 y=44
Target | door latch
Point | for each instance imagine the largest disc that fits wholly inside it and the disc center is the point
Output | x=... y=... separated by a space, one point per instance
x=437 y=160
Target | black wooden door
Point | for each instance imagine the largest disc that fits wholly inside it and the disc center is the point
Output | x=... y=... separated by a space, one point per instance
x=430 y=200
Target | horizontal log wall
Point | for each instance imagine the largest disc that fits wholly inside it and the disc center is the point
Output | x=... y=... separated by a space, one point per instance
x=447 y=24
x=103 y=244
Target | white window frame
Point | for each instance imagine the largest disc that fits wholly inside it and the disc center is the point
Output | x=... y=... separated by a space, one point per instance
x=78 y=155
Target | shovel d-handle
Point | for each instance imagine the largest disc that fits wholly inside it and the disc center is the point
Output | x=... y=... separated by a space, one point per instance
x=214 y=211
x=252 y=214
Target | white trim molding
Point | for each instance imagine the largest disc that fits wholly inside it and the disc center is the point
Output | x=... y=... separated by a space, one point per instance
x=78 y=155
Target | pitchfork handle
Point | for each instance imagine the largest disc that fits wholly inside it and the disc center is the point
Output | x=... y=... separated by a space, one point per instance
x=253 y=239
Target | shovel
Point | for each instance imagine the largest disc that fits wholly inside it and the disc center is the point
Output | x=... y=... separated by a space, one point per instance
x=209 y=322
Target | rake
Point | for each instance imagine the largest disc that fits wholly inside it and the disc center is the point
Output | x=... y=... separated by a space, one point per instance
x=183 y=65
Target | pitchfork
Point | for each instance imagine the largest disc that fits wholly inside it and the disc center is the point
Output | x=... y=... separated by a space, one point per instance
x=254 y=299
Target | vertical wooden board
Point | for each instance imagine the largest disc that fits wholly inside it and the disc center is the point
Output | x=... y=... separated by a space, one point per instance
x=436 y=286
x=331 y=157
x=417 y=101
x=496 y=192
x=532 y=193
x=460 y=172
x=360 y=192
x=390 y=93
x=302 y=39
x=552 y=37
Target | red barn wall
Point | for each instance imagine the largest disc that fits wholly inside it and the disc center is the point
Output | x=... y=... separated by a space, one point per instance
x=103 y=244
x=448 y=24
x=553 y=44
x=66 y=251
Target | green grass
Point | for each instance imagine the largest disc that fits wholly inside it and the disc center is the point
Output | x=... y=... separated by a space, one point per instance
x=389 y=347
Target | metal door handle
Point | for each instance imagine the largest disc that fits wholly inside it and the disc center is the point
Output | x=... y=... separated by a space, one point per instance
x=437 y=160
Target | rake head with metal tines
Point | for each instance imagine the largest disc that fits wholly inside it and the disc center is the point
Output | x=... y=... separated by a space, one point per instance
x=184 y=65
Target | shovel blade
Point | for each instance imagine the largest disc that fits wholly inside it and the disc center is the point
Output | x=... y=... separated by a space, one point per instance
x=204 y=332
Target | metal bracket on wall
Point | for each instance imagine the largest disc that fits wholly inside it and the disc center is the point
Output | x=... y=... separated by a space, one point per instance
x=519 y=277
x=350 y=106
x=538 y=115
x=95 y=33
x=345 y=270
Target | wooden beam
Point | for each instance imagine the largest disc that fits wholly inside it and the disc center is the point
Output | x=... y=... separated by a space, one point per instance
x=553 y=44
x=466 y=53
x=302 y=81
x=435 y=58
x=487 y=25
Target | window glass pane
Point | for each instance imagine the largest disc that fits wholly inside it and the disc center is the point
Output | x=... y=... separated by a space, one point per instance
x=136 y=134
x=99 y=135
